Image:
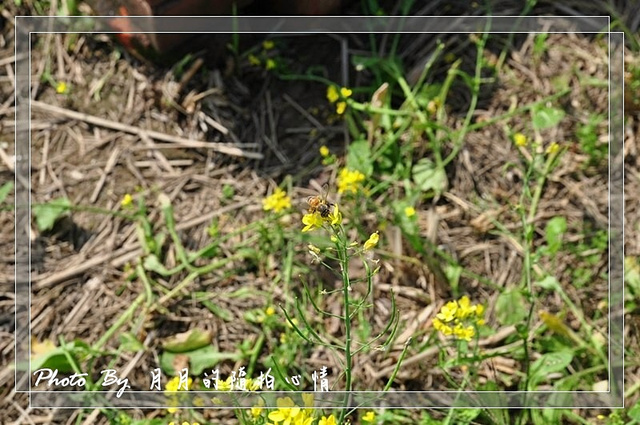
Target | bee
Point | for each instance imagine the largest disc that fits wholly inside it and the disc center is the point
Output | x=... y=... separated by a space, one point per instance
x=319 y=204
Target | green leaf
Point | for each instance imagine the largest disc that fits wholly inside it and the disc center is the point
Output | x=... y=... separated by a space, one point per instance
x=547 y=364
x=199 y=360
x=545 y=117
x=511 y=307
x=549 y=282
x=187 y=341
x=634 y=412
x=128 y=342
x=47 y=214
x=428 y=176
x=554 y=230
x=5 y=190
x=466 y=416
x=359 y=157
x=152 y=264
x=632 y=275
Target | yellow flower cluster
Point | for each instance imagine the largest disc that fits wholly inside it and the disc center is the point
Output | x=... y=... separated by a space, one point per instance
x=290 y=414
x=315 y=220
x=349 y=180
x=338 y=97
x=277 y=202
x=459 y=318
x=174 y=385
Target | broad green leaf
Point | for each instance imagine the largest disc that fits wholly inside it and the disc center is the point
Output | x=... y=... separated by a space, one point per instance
x=545 y=117
x=359 y=157
x=128 y=342
x=47 y=214
x=634 y=412
x=199 y=360
x=5 y=190
x=547 y=364
x=511 y=307
x=428 y=176
x=549 y=282
x=556 y=227
x=187 y=341
x=632 y=275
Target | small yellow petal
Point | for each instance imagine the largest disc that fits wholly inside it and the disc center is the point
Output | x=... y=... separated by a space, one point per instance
x=372 y=241
x=268 y=44
x=332 y=94
x=345 y=92
x=520 y=139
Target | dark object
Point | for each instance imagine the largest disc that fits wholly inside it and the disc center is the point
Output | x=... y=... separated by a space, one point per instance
x=151 y=45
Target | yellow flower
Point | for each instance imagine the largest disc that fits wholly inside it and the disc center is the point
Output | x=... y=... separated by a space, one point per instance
x=257 y=410
x=174 y=384
x=369 y=416
x=311 y=221
x=448 y=311
x=286 y=413
x=270 y=311
x=372 y=241
x=331 y=420
x=127 y=200
x=409 y=211
x=554 y=323
x=61 y=87
x=271 y=64
x=349 y=181
x=345 y=92
x=465 y=333
x=268 y=44
x=324 y=151
x=464 y=317
x=520 y=139
x=332 y=94
x=224 y=385
x=553 y=148
x=283 y=338
x=277 y=202
x=335 y=216
x=465 y=309
x=253 y=60
x=433 y=105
